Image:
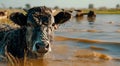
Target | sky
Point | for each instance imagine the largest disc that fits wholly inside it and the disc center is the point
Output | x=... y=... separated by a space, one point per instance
x=60 y=3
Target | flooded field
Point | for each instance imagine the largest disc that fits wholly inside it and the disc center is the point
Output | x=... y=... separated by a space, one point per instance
x=82 y=43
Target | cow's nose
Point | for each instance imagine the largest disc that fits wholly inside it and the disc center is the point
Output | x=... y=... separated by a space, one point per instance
x=42 y=48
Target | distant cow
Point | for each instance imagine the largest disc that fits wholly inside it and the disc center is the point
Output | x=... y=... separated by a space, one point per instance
x=35 y=34
x=3 y=14
x=79 y=13
x=91 y=16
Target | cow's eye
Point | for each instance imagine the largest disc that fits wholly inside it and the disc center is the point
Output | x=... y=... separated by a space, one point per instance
x=36 y=29
x=45 y=20
x=29 y=24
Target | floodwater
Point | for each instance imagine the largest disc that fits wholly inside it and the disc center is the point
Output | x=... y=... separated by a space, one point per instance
x=82 y=43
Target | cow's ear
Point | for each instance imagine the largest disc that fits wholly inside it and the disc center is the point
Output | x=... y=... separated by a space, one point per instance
x=62 y=17
x=19 y=18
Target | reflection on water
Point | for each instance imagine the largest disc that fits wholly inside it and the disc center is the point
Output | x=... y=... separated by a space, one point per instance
x=79 y=19
x=91 y=19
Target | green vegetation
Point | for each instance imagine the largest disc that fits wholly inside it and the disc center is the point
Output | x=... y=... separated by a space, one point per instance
x=106 y=11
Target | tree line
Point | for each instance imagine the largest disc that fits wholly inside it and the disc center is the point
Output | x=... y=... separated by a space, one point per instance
x=90 y=6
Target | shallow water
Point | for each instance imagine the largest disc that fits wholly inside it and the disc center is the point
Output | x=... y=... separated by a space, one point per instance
x=105 y=27
x=82 y=43
x=105 y=30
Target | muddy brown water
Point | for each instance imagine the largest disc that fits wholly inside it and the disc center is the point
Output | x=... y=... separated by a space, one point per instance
x=65 y=55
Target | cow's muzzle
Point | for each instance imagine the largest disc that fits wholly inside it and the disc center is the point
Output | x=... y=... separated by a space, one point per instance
x=41 y=47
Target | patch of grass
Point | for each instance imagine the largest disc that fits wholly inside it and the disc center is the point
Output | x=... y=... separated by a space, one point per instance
x=109 y=11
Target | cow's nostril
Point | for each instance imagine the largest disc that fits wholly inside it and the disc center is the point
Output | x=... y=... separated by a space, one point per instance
x=37 y=46
x=42 y=48
x=47 y=46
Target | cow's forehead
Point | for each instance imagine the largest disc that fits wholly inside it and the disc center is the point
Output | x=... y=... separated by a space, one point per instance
x=40 y=10
x=40 y=16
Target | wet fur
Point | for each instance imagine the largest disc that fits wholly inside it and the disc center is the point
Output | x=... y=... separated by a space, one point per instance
x=15 y=39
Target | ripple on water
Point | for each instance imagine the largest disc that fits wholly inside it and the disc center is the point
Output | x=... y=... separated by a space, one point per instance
x=88 y=54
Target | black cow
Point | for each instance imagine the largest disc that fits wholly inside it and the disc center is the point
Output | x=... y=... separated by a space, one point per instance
x=91 y=16
x=35 y=34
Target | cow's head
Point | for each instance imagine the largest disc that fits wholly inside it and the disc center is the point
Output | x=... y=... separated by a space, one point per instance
x=40 y=24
